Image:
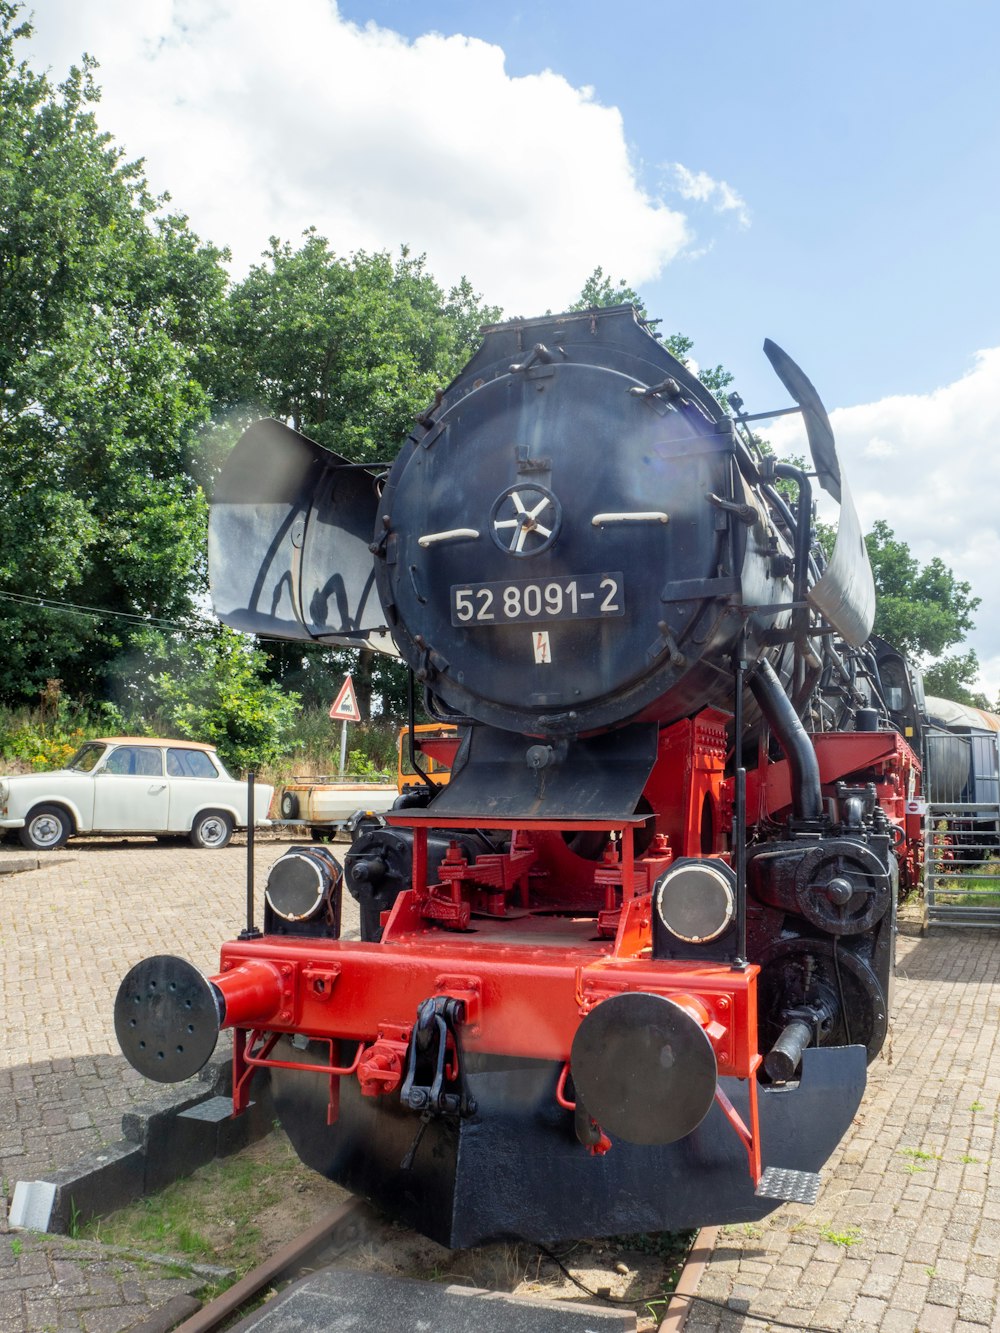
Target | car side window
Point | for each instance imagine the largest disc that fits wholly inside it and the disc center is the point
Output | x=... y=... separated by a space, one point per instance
x=136 y=760
x=190 y=764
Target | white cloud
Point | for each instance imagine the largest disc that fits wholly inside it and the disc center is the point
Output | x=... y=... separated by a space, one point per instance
x=929 y=465
x=264 y=119
x=701 y=188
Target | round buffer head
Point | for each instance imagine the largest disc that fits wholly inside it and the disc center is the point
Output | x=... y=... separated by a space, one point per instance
x=643 y=1068
x=167 y=1018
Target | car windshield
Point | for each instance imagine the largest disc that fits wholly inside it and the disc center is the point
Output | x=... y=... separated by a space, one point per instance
x=86 y=758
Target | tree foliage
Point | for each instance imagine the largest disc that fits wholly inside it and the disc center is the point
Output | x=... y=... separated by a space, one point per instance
x=600 y=291
x=920 y=609
x=106 y=315
x=349 y=349
x=213 y=687
x=954 y=677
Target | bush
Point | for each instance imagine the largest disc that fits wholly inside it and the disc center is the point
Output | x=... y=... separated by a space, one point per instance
x=213 y=691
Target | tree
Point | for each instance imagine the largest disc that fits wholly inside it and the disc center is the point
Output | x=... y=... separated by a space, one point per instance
x=599 y=291
x=954 y=677
x=920 y=610
x=212 y=687
x=107 y=309
x=349 y=349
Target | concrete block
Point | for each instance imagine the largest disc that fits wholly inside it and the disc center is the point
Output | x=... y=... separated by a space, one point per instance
x=31 y=1206
x=96 y=1185
x=347 y=1301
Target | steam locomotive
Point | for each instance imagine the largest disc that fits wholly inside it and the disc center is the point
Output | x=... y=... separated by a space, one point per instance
x=626 y=970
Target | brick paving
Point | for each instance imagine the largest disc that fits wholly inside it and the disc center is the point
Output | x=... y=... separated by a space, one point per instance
x=904 y=1238
x=69 y=931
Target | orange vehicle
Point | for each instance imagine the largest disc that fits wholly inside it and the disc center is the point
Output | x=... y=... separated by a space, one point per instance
x=434 y=745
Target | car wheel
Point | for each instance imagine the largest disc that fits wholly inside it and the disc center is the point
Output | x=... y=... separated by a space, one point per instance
x=47 y=827
x=289 y=805
x=212 y=828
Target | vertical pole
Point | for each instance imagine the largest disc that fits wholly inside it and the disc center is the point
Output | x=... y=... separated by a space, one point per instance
x=343 y=746
x=740 y=806
x=251 y=930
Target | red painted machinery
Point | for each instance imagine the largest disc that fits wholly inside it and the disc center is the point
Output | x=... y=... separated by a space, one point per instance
x=626 y=970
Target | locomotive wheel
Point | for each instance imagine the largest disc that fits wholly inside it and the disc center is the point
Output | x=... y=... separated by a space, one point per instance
x=798 y=971
x=46 y=828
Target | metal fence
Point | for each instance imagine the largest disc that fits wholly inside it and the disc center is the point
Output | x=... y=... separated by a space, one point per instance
x=962 y=863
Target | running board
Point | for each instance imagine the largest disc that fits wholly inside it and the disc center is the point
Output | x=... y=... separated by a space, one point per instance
x=778 y=1182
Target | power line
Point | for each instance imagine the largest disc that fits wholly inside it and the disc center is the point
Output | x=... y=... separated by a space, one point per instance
x=198 y=626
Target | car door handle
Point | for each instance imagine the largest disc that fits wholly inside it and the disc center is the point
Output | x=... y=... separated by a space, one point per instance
x=155 y=788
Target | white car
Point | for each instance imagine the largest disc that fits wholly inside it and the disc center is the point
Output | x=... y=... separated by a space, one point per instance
x=131 y=784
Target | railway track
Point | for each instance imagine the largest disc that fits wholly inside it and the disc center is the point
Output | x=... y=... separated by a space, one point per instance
x=332 y=1235
x=339 y=1232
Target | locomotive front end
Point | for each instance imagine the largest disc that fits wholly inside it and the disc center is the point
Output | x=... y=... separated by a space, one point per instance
x=626 y=969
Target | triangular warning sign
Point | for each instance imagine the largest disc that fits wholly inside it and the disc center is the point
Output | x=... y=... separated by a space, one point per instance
x=345 y=706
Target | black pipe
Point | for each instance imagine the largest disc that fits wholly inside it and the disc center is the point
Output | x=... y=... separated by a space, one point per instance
x=785 y=1055
x=803 y=538
x=411 y=743
x=807 y=796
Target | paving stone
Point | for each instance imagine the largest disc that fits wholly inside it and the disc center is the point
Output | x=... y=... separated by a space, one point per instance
x=63 y=1086
x=976 y=1309
x=868 y=1310
x=63 y=1091
x=927 y=1259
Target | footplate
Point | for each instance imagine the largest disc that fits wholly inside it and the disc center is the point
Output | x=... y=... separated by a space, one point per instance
x=779 y=1182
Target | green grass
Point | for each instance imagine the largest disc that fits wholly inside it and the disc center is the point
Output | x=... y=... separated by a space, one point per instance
x=848 y=1237
x=209 y=1217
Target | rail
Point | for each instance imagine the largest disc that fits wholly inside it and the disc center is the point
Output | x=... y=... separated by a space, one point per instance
x=336 y=1234
x=340 y=1230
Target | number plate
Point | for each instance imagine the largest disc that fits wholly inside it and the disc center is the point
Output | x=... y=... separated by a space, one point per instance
x=575 y=597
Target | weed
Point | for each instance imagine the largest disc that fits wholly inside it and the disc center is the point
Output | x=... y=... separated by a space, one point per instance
x=16 y=1245
x=668 y=1245
x=916 y=1156
x=977 y=1106
x=74 y=1221
x=851 y=1236
x=967 y=1158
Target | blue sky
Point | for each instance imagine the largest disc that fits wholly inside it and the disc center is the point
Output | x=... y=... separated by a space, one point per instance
x=824 y=174
x=864 y=138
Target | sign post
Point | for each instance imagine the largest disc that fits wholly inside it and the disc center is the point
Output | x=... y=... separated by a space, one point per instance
x=345 y=707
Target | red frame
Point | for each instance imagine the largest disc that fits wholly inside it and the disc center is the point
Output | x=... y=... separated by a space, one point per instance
x=512 y=969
